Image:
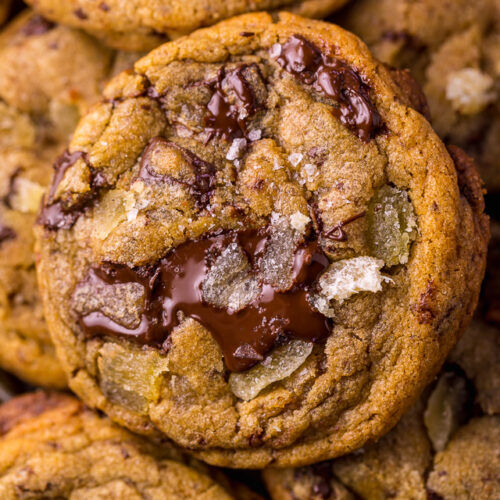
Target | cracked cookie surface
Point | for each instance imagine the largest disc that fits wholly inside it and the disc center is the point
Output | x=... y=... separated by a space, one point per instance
x=453 y=50
x=256 y=247
x=444 y=448
x=143 y=25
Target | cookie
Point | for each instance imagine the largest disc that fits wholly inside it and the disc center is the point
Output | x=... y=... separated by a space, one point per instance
x=48 y=77
x=4 y=11
x=52 y=446
x=453 y=49
x=445 y=447
x=255 y=247
x=145 y=25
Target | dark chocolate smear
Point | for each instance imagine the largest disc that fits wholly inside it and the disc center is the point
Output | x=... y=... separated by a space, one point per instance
x=224 y=118
x=37 y=25
x=334 y=79
x=173 y=288
x=55 y=215
x=205 y=173
x=6 y=233
x=337 y=232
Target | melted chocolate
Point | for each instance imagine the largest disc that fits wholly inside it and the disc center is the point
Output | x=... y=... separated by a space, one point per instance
x=205 y=173
x=6 y=233
x=225 y=119
x=173 y=288
x=55 y=215
x=37 y=25
x=337 y=232
x=336 y=80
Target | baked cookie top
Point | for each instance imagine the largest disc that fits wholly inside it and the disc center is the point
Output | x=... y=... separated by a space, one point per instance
x=144 y=24
x=256 y=247
x=48 y=77
x=453 y=50
x=53 y=446
x=445 y=447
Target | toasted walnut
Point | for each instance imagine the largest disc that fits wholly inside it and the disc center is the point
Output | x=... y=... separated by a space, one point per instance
x=130 y=376
x=470 y=90
x=281 y=363
x=392 y=225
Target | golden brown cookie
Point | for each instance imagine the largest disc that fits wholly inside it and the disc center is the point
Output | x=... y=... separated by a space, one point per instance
x=49 y=75
x=143 y=25
x=256 y=247
x=434 y=452
x=453 y=49
x=51 y=446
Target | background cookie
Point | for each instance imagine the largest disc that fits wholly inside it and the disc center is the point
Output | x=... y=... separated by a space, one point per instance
x=143 y=25
x=435 y=451
x=453 y=49
x=193 y=148
x=52 y=446
x=49 y=75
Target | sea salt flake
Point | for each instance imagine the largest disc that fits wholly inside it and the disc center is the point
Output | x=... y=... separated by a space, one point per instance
x=295 y=158
x=236 y=150
x=299 y=221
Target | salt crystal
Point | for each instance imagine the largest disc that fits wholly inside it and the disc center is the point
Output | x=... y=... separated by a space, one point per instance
x=236 y=149
x=299 y=221
x=132 y=214
x=275 y=51
x=255 y=135
x=295 y=158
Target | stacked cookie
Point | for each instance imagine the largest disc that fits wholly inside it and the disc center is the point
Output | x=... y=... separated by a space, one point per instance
x=256 y=246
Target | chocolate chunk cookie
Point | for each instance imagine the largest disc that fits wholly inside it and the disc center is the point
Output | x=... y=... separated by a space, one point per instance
x=48 y=77
x=434 y=452
x=453 y=48
x=51 y=446
x=256 y=247
x=143 y=25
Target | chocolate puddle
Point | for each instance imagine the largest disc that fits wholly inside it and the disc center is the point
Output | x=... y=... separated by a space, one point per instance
x=173 y=286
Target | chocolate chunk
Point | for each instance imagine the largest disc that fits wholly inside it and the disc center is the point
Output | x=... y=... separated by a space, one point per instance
x=80 y=14
x=6 y=233
x=334 y=79
x=7 y=199
x=229 y=119
x=55 y=215
x=205 y=173
x=37 y=25
x=174 y=285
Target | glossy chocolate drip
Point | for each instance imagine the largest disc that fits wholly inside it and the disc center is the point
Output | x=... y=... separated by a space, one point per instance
x=337 y=232
x=245 y=336
x=6 y=233
x=55 y=215
x=334 y=79
x=205 y=173
x=37 y=25
x=225 y=119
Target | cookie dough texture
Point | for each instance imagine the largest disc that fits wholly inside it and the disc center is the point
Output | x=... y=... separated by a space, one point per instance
x=404 y=463
x=51 y=446
x=385 y=345
x=48 y=77
x=453 y=49
x=143 y=25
